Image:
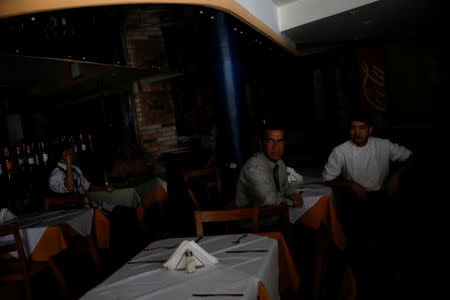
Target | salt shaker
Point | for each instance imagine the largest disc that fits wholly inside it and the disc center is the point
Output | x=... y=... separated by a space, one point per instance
x=189 y=266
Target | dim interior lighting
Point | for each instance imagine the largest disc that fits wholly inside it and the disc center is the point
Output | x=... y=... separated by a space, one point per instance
x=33 y=19
x=235 y=29
x=367 y=22
x=201 y=12
x=241 y=32
x=17 y=50
x=212 y=17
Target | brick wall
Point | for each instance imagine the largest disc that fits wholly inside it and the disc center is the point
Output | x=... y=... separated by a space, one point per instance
x=155 y=115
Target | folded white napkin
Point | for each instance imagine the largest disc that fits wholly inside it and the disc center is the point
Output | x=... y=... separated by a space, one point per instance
x=293 y=176
x=201 y=257
x=6 y=215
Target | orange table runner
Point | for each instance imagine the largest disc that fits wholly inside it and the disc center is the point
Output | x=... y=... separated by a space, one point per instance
x=288 y=275
x=155 y=196
x=323 y=213
x=322 y=217
x=100 y=229
x=54 y=239
x=262 y=293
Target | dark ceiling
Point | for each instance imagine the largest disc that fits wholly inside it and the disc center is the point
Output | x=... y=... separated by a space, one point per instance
x=379 y=22
x=38 y=51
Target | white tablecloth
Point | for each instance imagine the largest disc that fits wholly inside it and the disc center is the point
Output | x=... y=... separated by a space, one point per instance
x=33 y=226
x=312 y=189
x=127 y=196
x=235 y=272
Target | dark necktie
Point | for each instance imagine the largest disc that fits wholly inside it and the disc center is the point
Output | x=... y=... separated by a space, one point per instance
x=275 y=177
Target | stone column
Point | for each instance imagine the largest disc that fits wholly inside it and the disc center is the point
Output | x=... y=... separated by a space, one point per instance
x=231 y=116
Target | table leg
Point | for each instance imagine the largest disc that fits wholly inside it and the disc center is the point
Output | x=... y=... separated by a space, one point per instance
x=322 y=245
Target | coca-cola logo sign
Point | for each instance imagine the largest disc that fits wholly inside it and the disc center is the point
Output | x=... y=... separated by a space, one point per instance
x=373 y=81
x=373 y=85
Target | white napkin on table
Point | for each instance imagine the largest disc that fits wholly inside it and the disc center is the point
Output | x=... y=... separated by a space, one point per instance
x=201 y=257
x=6 y=215
x=293 y=176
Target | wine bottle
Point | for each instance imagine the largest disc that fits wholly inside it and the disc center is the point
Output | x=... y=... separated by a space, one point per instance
x=74 y=144
x=44 y=154
x=20 y=163
x=30 y=156
x=1 y=168
x=25 y=156
x=91 y=145
x=52 y=149
x=37 y=160
x=83 y=143
x=8 y=163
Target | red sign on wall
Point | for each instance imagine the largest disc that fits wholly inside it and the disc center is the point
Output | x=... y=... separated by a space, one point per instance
x=372 y=82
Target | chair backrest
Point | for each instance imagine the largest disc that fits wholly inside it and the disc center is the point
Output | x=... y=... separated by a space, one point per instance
x=78 y=267
x=201 y=185
x=15 y=244
x=283 y=225
x=226 y=215
x=63 y=201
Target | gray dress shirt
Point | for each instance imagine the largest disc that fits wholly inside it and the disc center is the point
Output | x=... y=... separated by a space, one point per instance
x=256 y=186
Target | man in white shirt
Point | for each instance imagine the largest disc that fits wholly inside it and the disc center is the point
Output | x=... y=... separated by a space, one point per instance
x=360 y=169
x=362 y=163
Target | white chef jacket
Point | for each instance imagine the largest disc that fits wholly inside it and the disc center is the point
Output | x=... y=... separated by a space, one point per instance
x=367 y=165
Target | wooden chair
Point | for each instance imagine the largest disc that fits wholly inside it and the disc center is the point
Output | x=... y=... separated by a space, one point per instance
x=283 y=225
x=19 y=269
x=227 y=215
x=204 y=188
x=63 y=201
x=347 y=289
x=78 y=267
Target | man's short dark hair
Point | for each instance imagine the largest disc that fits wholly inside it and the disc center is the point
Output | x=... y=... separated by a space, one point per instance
x=362 y=116
x=61 y=147
x=269 y=124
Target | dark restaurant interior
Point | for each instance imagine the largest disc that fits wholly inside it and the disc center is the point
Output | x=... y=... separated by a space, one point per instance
x=156 y=76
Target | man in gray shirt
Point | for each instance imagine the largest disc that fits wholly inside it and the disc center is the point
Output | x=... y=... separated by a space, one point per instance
x=263 y=178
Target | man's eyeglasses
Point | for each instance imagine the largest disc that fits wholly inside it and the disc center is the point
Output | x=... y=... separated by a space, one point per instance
x=360 y=127
x=272 y=141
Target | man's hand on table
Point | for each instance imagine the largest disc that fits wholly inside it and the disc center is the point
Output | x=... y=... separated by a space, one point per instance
x=392 y=185
x=297 y=200
x=358 y=189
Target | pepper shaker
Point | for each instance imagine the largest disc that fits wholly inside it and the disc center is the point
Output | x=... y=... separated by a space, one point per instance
x=189 y=266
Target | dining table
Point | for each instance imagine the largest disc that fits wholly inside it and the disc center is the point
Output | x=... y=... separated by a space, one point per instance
x=250 y=267
x=319 y=206
x=130 y=194
x=140 y=194
x=44 y=234
x=318 y=213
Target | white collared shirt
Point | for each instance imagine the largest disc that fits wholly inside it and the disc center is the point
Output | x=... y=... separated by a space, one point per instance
x=367 y=165
x=256 y=186
x=58 y=176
